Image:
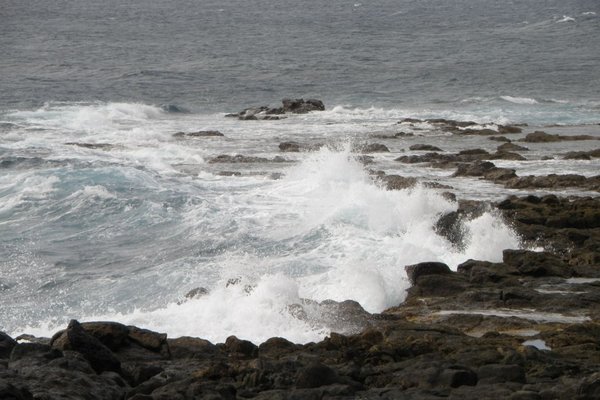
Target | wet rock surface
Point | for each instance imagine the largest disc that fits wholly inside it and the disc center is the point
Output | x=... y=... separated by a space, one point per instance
x=526 y=327
x=291 y=106
x=543 y=137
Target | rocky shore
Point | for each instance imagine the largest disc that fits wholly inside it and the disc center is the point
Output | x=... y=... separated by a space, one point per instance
x=524 y=328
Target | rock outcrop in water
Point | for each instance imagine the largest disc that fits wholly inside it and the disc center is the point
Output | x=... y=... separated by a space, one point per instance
x=292 y=106
x=523 y=328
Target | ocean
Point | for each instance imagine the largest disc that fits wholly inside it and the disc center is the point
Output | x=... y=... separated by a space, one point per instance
x=105 y=214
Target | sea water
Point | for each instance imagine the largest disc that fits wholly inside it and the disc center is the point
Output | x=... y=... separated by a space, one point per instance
x=123 y=230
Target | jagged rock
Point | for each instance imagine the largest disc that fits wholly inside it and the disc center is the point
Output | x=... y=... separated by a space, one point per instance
x=6 y=345
x=294 y=106
x=75 y=338
x=301 y=106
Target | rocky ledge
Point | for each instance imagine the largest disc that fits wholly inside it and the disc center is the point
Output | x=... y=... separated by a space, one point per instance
x=524 y=328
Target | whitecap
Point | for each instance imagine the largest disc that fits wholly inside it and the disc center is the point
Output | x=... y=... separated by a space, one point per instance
x=566 y=18
x=519 y=100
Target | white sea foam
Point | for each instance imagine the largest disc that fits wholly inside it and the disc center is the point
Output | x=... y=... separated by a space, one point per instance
x=519 y=100
x=566 y=18
x=324 y=231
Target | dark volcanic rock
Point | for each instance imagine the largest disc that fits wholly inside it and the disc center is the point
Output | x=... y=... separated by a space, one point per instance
x=500 y=139
x=6 y=345
x=289 y=146
x=75 y=338
x=397 y=182
x=294 y=106
x=511 y=147
x=582 y=155
x=536 y=263
x=296 y=147
x=301 y=106
x=543 y=137
x=316 y=375
x=427 y=268
x=424 y=147
x=458 y=335
x=555 y=181
x=373 y=148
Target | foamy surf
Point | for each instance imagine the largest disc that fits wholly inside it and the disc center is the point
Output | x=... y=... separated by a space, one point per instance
x=324 y=231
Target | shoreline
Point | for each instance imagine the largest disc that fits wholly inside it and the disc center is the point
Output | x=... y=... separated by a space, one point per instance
x=523 y=328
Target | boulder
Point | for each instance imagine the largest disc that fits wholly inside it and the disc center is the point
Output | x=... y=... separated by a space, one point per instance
x=415 y=271
x=98 y=355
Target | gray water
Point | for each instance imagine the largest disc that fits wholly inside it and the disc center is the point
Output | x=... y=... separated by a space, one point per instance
x=123 y=231
x=218 y=55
